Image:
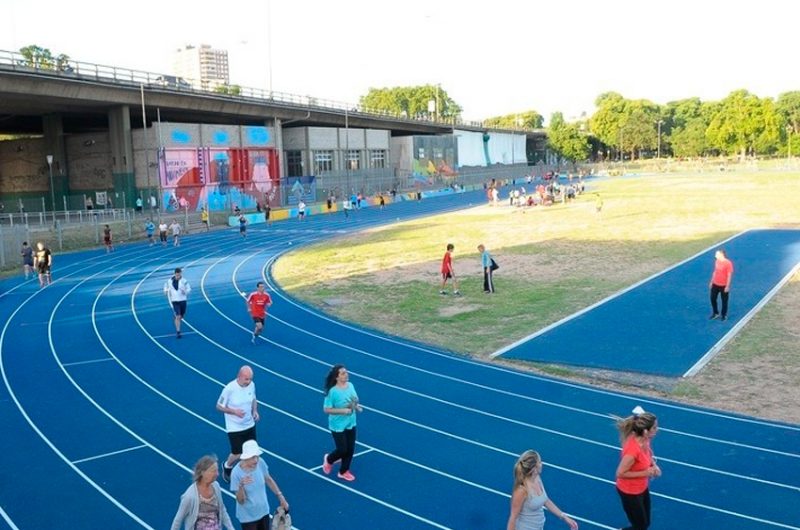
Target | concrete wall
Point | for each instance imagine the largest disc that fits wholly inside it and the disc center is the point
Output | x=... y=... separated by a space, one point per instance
x=351 y=139
x=23 y=166
x=89 y=163
x=322 y=138
x=294 y=139
x=402 y=153
x=377 y=138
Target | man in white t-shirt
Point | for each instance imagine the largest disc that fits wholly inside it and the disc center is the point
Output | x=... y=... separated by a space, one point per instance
x=301 y=210
x=177 y=290
x=239 y=405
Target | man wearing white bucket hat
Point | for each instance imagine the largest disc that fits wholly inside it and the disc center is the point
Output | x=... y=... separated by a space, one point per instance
x=248 y=481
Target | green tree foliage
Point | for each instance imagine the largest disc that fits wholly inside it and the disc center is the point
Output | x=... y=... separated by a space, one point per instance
x=232 y=90
x=36 y=56
x=745 y=124
x=607 y=121
x=411 y=101
x=788 y=106
x=689 y=139
x=566 y=139
x=529 y=119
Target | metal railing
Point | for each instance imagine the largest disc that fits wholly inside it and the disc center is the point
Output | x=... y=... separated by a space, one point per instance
x=73 y=69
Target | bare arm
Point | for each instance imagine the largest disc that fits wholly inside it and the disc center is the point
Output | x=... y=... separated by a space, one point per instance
x=517 y=498
x=551 y=506
x=624 y=469
x=277 y=491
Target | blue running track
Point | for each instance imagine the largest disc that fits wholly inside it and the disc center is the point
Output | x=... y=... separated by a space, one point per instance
x=104 y=412
x=661 y=325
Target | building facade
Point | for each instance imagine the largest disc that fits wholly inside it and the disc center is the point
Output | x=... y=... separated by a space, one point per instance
x=202 y=66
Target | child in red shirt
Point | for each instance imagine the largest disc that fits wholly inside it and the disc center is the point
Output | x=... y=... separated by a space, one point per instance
x=448 y=272
x=257 y=304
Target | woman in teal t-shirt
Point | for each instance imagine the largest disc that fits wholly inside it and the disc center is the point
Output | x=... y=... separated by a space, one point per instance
x=341 y=406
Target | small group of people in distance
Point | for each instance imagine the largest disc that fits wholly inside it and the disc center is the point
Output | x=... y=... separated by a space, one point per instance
x=636 y=467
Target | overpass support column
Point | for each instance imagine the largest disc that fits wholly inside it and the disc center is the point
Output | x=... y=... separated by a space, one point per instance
x=53 y=128
x=278 y=132
x=121 y=142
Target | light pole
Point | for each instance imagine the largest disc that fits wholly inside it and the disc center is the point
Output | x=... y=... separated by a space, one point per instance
x=789 y=151
x=659 y=138
x=52 y=189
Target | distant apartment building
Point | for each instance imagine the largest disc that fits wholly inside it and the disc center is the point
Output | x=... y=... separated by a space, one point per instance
x=202 y=66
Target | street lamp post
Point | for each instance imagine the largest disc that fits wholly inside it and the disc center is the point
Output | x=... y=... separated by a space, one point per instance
x=659 y=139
x=52 y=189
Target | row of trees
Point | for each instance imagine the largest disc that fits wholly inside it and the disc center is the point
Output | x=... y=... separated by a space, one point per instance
x=741 y=124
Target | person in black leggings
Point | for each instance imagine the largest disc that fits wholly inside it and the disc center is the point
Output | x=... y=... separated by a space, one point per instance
x=637 y=465
x=341 y=405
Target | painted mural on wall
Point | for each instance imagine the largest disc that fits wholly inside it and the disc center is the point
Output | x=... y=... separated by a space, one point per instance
x=304 y=188
x=221 y=166
x=434 y=156
x=221 y=178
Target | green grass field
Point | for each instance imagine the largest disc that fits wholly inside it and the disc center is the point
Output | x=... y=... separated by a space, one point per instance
x=554 y=261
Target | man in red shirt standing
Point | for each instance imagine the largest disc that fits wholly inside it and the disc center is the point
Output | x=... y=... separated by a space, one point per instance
x=448 y=272
x=257 y=304
x=720 y=284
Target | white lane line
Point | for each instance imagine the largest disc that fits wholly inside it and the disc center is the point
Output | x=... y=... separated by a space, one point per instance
x=7 y=519
x=716 y=348
x=112 y=453
x=526 y=375
x=607 y=299
x=422 y=426
x=217 y=427
x=44 y=438
x=172 y=335
x=78 y=363
x=360 y=453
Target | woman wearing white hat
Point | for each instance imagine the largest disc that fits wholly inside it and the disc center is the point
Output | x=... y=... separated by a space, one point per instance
x=248 y=481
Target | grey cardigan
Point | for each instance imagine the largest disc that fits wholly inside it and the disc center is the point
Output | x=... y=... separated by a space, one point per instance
x=190 y=507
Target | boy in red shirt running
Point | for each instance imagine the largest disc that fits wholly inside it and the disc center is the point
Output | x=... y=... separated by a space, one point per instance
x=257 y=304
x=448 y=272
x=720 y=284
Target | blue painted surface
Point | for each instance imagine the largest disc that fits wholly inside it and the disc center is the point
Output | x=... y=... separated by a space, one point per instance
x=436 y=444
x=662 y=326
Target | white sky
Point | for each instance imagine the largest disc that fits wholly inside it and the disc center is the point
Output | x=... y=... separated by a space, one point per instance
x=493 y=58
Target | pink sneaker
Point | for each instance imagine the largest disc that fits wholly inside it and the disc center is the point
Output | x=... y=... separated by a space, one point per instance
x=349 y=477
x=326 y=467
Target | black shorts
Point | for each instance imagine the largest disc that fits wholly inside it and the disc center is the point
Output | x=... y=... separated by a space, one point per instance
x=446 y=275
x=259 y=320
x=179 y=308
x=238 y=438
x=43 y=268
x=162 y=236
x=242 y=229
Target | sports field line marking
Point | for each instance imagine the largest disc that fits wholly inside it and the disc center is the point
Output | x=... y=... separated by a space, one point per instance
x=530 y=398
x=479 y=444
x=607 y=299
x=7 y=519
x=105 y=346
x=360 y=453
x=44 y=438
x=112 y=453
x=716 y=348
x=172 y=335
x=422 y=426
x=78 y=363
x=549 y=380
x=215 y=426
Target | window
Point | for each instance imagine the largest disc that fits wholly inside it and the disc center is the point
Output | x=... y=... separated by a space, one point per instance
x=323 y=161
x=377 y=158
x=294 y=163
x=352 y=159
